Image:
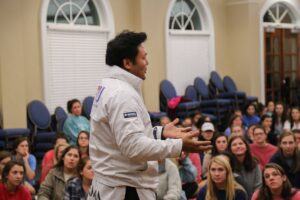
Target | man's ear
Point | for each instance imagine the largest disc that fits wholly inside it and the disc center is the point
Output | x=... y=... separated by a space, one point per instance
x=127 y=63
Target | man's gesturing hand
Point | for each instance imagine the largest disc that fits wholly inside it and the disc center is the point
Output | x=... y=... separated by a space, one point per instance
x=189 y=144
x=171 y=131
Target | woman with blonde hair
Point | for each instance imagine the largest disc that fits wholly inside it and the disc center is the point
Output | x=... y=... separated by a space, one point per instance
x=220 y=182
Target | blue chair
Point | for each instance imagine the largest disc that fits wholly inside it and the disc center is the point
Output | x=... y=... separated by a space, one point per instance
x=217 y=89
x=191 y=93
x=230 y=86
x=167 y=92
x=60 y=117
x=39 y=121
x=216 y=106
x=8 y=136
x=87 y=105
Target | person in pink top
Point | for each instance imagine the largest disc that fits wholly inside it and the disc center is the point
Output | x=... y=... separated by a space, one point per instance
x=11 y=187
x=276 y=185
x=260 y=149
x=49 y=159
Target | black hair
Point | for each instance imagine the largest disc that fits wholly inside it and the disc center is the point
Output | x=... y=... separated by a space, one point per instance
x=18 y=141
x=249 y=162
x=81 y=132
x=214 y=150
x=4 y=154
x=265 y=192
x=70 y=104
x=60 y=163
x=8 y=167
x=61 y=135
x=259 y=127
x=124 y=45
x=265 y=116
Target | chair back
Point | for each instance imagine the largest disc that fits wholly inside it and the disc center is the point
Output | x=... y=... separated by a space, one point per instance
x=191 y=93
x=38 y=114
x=87 y=105
x=229 y=84
x=201 y=88
x=60 y=117
x=167 y=88
x=216 y=81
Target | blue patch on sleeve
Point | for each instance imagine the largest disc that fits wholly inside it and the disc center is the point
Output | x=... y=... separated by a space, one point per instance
x=130 y=114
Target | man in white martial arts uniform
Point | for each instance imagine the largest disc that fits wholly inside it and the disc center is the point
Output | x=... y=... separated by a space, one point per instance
x=124 y=147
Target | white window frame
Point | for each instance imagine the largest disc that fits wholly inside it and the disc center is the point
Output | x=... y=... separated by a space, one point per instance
x=207 y=29
x=294 y=7
x=106 y=25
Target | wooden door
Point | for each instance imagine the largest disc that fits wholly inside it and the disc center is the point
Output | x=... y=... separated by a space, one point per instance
x=281 y=65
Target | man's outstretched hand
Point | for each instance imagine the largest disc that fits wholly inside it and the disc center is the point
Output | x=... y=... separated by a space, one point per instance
x=189 y=144
x=171 y=131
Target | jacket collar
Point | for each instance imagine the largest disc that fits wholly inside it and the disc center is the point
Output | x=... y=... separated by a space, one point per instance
x=123 y=75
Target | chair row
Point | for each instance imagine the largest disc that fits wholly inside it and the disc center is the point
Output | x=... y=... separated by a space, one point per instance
x=217 y=98
x=41 y=126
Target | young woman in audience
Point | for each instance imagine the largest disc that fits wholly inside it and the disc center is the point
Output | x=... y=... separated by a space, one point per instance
x=296 y=133
x=206 y=134
x=5 y=157
x=249 y=134
x=77 y=188
x=270 y=108
x=11 y=185
x=250 y=117
x=260 y=149
x=244 y=164
x=75 y=122
x=266 y=123
x=220 y=182
x=83 y=143
x=21 y=154
x=49 y=159
x=169 y=184
x=235 y=120
x=276 y=185
x=279 y=117
x=219 y=143
x=66 y=168
x=288 y=158
x=294 y=121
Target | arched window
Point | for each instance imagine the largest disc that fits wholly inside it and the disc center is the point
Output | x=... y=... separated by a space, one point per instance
x=75 y=34
x=79 y=12
x=185 y=16
x=189 y=42
x=279 y=13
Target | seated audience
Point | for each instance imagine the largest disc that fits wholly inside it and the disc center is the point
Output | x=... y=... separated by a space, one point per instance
x=276 y=185
x=75 y=121
x=5 y=157
x=266 y=123
x=188 y=174
x=250 y=117
x=77 y=188
x=294 y=120
x=11 y=187
x=219 y=143
x=22 y=155
x=249 y=134
x=164 y=120
x=260 y=149
x=169 y=185
x=83 y=143
x=270 y=108
x=237 y=130
x=288 y=158
x=235 y=120
x=296 y=133
x=279 y=117
x=220 y=182
x=49 y=159
x=244 y=164
x=206 y=134
x=66 y=168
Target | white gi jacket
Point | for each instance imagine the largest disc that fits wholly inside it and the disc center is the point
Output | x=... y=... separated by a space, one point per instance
x=123 y=150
